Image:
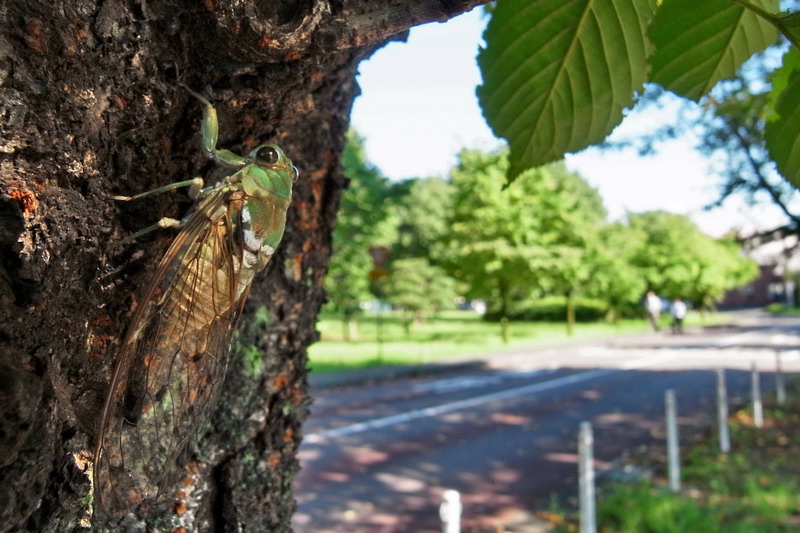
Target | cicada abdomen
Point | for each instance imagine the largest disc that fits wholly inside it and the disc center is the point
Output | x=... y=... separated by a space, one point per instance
x=173 y=357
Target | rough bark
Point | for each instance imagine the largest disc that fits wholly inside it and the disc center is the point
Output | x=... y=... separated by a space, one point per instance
x=91 y=106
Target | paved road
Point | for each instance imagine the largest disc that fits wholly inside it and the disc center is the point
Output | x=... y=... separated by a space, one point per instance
x=376 y=458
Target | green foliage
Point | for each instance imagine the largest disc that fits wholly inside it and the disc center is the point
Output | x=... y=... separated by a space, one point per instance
x=617 y=280
x=678 y=261
x=364 y=220
x=558 y=75
x=554 y=309
x=423 y=214
x=506 y=243
x=545 y=234
x=753 y=488
x=700 y=44
x=417 y=287
x=782 y=131
x=789 y=25
x=734 y=131
x=639 y=509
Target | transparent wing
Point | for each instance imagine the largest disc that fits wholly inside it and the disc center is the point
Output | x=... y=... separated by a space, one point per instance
x=172 y=359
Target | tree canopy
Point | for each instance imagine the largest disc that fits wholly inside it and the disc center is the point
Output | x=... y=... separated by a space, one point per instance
x=545 y=234
x=505 y=243
x=363 y=221
x=678 y=261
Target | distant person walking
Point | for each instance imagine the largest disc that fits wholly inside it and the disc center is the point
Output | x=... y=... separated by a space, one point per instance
x=652 y=304
x=678 y=311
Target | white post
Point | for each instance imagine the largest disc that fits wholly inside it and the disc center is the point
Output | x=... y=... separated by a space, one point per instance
x=722 y=411
x=672 y=442
x=586 y=475
x=780 y=384
x=755 y=393
x=450 y=511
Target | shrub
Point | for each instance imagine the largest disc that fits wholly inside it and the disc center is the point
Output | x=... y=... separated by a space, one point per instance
x=554 y=309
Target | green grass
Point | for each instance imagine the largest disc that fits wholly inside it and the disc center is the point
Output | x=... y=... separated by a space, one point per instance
x=780 y=309
x=754 y=489
x=452 y=333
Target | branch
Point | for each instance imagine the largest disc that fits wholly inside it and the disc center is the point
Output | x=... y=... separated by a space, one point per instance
x=762 y=181
x=762 y=237
x=253 y=32
x=780 y=22
x=374 y=27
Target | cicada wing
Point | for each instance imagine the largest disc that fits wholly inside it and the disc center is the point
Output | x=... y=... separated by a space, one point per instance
x=172 y=359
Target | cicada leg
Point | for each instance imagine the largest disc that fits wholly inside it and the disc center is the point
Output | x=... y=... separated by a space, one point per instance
x=165 y=222
x=210 y=133
x=195 y=187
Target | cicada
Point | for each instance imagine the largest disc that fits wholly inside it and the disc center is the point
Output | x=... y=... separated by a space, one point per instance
x=172 y=359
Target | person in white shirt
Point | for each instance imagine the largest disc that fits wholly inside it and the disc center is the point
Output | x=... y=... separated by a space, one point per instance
x=678 y=310
x=653 y=305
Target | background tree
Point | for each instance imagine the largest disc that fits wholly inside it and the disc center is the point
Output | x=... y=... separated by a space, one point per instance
x=418 y=288
x=616 y=279
x=91 y=106
x=732 y=133
x=507 y=243
x=363 y=221
x=730 y=125
x=663 y=256
x=571 y=238
x=493 y=241
x=718 y=266
x=678 y=261
x=423 y=216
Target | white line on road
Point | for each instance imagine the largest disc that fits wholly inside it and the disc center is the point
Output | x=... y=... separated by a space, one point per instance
x=450 y=407
x=441 y=386
x=738 y=339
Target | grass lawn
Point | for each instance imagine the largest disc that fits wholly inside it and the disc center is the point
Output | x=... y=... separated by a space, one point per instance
x=452 y=333
x=753 y=489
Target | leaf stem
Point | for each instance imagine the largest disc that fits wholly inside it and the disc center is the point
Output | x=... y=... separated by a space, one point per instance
x=772 y=19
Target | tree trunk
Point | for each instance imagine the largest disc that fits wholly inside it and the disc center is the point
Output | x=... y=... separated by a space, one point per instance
x=91 y=106
x=569 y=297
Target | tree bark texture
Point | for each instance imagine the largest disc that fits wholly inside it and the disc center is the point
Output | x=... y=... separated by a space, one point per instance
x=91 y=106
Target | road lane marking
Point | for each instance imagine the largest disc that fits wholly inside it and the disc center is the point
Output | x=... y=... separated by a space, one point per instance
x=738 y=339
x=401 y=418
x=441 y=386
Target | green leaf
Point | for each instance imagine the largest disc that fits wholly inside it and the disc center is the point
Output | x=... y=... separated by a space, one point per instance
x=699 y=43
x=558 y=73
x=782 y=131
x=790 y=27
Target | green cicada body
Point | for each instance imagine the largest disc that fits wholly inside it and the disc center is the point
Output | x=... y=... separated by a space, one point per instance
x=172 y=359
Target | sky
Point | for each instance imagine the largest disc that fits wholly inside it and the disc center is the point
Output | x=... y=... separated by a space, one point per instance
x=418 y=109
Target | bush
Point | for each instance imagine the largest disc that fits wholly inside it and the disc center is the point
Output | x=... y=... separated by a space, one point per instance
x=554 y=309
x=776 y=307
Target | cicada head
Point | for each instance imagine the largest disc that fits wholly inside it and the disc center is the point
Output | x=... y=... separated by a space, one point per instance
x=269 y=171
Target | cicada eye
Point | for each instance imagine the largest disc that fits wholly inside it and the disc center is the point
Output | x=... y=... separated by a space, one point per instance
x=267 y=155
x=296 y=173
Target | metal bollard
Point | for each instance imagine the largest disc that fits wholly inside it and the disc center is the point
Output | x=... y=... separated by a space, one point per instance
x=755 y=393
x=586 y=481
x=673 y=452
x=450 y=511
x=780 y=384
x=722 y=411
